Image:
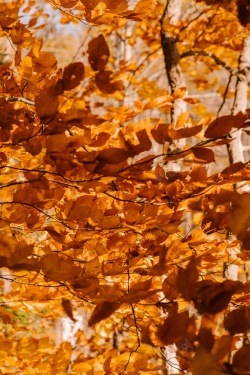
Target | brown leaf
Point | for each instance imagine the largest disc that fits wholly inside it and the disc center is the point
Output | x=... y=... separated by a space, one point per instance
x=33 y=146
x=142 y=286
x=222 y=125
x=222 y=346
x=98 y=53
x=187 y=279
x=176 y=327
x=45 y=61
x=238 y=320
x=67 y=307
x=184 y=132
x=169 y=285
x=145 y=336
x=199 y=174
x=113 y=155
x=204 y=363
x=106 y=364
x=106 y=84
x=241 y=358
x=68 y=3
x=102 y=311
x=233 y=168
x=203 y=153
x=73 y=75
x=46 y=107
x=144 y=142
x=214 y=297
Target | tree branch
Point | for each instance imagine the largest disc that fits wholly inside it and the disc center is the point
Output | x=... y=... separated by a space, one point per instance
x=212 y=56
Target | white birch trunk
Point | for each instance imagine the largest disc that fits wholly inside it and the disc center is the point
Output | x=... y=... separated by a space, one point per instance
x=236 y=148
x=240 y=99
x=176 y=80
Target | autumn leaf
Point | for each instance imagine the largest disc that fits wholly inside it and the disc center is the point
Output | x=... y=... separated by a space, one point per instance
x=223 y=125
x=238 y=320
x=176 y=327
x=98 y=53
x=203 y=153
x=67 y=307
x=213 y=297
x=106 y=83
x=241 y=358
x=57 y=268
x=73 y=75
x=102 y=311
x=68 y=3
x=113 y=155
x=169 y=285
x=187 y=279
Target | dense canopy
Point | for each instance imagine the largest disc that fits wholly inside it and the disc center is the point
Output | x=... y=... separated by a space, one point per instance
x=124 y=187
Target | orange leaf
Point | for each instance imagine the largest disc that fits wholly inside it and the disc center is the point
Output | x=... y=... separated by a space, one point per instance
x=58 y=269
x=179 y=93
x=191 y=100
x=109 y=222
x=68 y=3
x=160 y=102
x=106 y=364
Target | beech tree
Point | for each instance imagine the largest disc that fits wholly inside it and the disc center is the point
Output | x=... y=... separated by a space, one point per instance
x=116 y=209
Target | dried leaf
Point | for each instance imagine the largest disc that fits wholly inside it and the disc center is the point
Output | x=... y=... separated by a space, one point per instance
x=223 y=125
x=102 y=311
x=203 y=153
x=67 y=307
x=98 y=53
x=106 y=84
x=73 y=75
x=176 y=327
x=241 y=358
x=187 y=279
x=238 y=320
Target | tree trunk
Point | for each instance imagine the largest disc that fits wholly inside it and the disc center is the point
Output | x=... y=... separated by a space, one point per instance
x=176 y=80
x=240 y=100
x=172 y=57
x=236 y=148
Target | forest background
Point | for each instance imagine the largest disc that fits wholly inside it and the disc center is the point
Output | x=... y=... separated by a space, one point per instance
x=124 y=187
